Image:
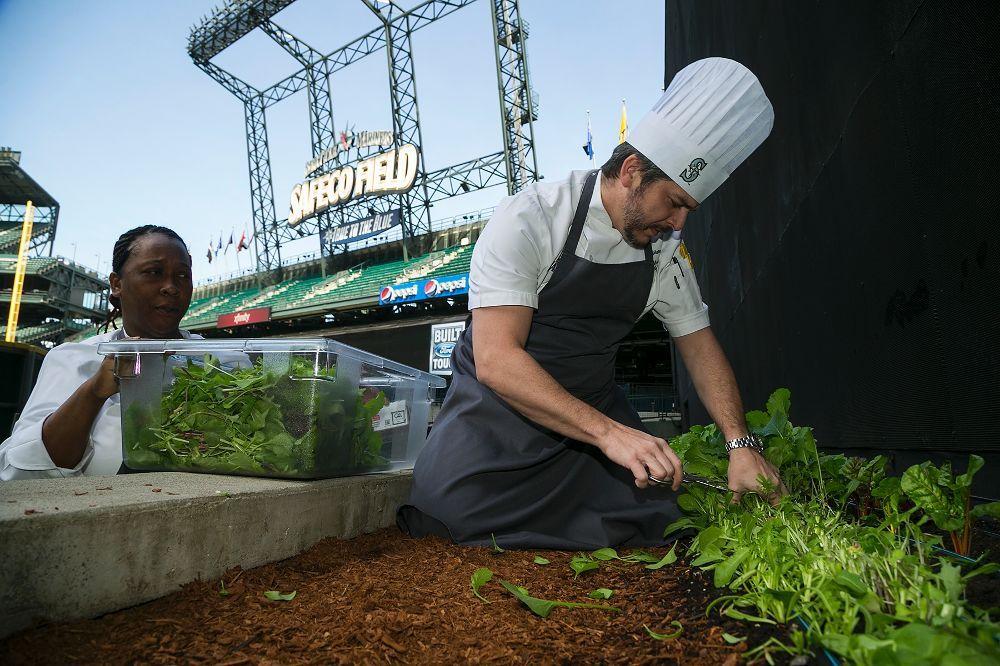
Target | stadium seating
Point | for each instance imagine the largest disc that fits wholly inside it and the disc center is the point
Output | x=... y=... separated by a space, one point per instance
x=10 y=239
x=36 y=265
x=30 y=334
x=357 y=285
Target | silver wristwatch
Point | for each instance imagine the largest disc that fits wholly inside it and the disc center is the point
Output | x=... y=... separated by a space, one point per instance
x=750 y=441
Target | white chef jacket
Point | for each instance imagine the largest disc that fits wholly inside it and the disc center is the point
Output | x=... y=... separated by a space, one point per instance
x=514 y=257
x=64 y=369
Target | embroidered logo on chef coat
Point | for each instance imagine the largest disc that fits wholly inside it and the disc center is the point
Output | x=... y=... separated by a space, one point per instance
x=694 y=170
x=683 y=251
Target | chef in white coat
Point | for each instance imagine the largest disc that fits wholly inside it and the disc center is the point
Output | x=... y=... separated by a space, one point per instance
x=535 y=445
x=71 y=424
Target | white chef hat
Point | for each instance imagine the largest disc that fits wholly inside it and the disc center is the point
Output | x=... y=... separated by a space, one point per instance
x=711 y=117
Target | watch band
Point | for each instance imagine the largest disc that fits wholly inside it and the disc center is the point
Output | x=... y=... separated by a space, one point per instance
x=750 y=441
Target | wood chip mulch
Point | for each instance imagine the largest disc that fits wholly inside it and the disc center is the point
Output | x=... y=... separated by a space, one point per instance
x=385 y=597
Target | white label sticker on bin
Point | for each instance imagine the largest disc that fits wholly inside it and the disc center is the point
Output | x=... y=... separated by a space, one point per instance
x=392 y=415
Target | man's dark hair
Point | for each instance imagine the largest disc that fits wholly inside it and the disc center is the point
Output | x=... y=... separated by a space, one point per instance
x=121 y=253
x=648 y=172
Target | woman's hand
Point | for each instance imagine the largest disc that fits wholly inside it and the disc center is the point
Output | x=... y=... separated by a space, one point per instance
x=104 y=384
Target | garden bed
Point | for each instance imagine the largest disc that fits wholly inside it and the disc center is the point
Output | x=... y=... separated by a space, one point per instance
x=387 y=597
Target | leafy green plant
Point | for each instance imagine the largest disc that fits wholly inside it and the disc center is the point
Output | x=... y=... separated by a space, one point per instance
x=540 y=560
x=601 y=593
x=858 y=584
x=945 y=498
x=300 y=423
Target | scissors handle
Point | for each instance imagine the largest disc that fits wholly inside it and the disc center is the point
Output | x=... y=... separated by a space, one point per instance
x=688 y=478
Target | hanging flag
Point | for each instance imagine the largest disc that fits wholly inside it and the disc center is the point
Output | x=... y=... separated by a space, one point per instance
x=230 y=242
x=218 y=248
x=623 y=125
x=209 y=253
x=242 y=245
x=588 y=147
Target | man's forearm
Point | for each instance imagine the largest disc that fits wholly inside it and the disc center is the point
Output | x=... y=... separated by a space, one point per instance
x=518 y=378
x=713 y=380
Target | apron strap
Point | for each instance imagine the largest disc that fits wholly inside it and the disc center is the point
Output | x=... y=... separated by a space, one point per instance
x=573 y=240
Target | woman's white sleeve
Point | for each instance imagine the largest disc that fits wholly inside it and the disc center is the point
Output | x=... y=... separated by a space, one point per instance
x=23 y=455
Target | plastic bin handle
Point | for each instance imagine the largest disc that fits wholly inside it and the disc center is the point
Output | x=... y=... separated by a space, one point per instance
x=136 y=367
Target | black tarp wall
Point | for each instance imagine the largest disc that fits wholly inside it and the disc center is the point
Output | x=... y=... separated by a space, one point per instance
x=855 y=257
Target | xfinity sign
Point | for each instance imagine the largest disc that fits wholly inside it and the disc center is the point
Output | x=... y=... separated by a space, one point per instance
x=408 y=292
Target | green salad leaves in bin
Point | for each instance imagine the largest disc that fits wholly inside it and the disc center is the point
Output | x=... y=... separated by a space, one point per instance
x=299 y=422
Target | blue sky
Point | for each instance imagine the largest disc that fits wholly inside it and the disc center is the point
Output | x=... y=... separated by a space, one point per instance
x=117 y=123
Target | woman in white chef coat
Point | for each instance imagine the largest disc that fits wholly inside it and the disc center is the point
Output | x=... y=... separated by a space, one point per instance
x=71 y=424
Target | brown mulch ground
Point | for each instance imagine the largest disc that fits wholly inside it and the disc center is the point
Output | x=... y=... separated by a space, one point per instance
x=385 y=597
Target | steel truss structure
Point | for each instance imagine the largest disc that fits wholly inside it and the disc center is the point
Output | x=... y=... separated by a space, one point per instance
x=16 y=189
x=43 y=236
x=515 y=164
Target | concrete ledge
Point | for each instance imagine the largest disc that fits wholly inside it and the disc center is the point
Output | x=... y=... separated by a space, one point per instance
x=81 y=547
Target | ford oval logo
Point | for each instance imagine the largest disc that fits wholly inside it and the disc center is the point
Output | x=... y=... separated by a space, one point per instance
x=444 y=349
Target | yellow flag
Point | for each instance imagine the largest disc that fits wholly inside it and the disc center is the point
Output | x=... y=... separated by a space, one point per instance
x=623 y=125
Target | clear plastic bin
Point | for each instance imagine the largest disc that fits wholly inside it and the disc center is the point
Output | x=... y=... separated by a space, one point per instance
x=299 y=409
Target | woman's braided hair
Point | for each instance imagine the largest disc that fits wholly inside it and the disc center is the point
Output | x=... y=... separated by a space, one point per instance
x=122 y=251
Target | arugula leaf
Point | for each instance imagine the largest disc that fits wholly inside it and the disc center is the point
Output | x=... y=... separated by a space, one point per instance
x=274 y=595
x=540 y=560
x=726 y=569
x=669 y=558
x=640 y=556
x=480 y=577
x=601 y=593
x=740 y=615
x=605 y=554
x=581 y=563
x=543 y=607
x=663 y=637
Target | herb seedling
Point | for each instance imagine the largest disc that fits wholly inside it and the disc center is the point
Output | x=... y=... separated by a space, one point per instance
x=663 y=637
x=274 y=595
x=480 y=577
x=543 y=607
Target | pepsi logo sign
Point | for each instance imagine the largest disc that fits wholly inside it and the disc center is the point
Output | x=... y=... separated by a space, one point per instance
x=399 y=292
x=451 y=285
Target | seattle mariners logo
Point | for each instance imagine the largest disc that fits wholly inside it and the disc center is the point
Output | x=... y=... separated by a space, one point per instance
x=694 y=170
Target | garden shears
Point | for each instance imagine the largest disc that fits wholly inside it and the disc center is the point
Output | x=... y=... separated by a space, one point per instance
x=690 y=478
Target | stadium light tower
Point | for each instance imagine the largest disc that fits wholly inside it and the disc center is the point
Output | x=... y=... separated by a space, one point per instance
x=515 y=164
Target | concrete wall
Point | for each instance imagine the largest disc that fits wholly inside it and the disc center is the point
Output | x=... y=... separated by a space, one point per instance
x=80 y=547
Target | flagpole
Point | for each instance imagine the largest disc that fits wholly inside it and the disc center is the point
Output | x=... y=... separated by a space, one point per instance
x=623 y=124
x=590 y=138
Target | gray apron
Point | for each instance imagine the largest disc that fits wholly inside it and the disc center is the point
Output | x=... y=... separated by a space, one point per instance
x=488 y=472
